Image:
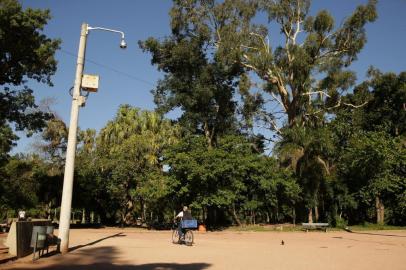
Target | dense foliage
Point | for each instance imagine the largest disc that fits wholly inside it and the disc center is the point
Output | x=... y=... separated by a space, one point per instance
x=25 y=53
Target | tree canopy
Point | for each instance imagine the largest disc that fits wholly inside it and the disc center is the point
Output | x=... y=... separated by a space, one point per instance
x=26 y=53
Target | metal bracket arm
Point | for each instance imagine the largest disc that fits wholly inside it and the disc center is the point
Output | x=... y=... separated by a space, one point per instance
x=106 y=29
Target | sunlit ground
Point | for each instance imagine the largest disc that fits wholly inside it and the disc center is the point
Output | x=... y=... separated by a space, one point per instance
x=135 y=249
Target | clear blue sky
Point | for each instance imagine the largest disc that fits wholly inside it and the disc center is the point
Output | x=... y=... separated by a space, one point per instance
x=144 y=18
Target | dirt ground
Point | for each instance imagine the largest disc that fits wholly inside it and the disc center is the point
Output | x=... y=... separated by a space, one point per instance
x=133 y=249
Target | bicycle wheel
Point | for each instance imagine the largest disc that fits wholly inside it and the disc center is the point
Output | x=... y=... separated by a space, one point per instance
x=189 y=238
x=175 y=237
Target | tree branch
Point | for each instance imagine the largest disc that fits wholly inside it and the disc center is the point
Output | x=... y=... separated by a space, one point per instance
x=279 y=101
x=336 y=106
x=324 y=164
x=298 y=22
x=271 y=121
x=356 y=106
x=321 y=93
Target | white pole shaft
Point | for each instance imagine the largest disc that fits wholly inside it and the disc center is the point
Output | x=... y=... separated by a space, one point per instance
x=64 y=221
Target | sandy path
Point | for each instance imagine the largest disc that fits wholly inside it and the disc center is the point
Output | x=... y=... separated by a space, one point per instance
x=132 y=249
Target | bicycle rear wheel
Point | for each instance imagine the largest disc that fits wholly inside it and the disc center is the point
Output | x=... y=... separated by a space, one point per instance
x=175 y=237
x=189 y=238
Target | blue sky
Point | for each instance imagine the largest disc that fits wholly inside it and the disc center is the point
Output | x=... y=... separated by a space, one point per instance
x=129 y=76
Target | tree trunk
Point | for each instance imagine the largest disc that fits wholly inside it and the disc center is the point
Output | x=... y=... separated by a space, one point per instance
x=145 y=212
x=235 y=216
x=380 y=210
x=126 y=213
x=122 y=222
x=291 y=111
x=92 y=217
x=294 y=216
x=382 y=213
x=142 y=210
x=277 y=214
x=83 y=216
x=316 y=213
x=323 y=206
x=310 y=215
x=49 y=210
x=209 y=134
x=201 y=215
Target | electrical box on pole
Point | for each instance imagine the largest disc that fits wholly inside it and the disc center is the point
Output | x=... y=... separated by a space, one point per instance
x=90 y=83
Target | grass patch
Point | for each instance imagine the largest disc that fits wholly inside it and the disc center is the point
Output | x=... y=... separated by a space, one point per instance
x=267 y=228
x=298 y=227
x=251 y=228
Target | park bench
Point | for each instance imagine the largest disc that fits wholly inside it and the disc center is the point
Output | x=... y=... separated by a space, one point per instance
x=315 y=226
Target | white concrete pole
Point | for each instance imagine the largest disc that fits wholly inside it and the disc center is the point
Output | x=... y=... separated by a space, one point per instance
x=64 y=220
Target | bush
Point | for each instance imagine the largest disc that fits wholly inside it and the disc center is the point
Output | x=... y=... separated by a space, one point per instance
x=341 y=222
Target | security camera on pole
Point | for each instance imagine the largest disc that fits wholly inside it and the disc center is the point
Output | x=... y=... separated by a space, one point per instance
x=87 y=83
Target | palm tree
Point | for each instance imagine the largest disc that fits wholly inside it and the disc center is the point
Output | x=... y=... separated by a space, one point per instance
x=130 y=147
x=306 y=150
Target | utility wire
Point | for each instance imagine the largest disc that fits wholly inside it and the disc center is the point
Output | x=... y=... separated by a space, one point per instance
x=110 y=68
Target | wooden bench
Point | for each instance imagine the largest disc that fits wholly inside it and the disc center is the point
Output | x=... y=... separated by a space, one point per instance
x=315 y=226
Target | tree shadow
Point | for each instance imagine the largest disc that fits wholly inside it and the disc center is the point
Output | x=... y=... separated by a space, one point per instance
x=110 y=266
x=96 y=241
x=378 y=234
x=55 y=252
x=102 y=258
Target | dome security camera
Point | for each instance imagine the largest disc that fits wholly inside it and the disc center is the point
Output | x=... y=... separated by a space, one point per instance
x=123 y=44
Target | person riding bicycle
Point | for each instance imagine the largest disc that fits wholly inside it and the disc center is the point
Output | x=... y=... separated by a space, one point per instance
x=183 y=215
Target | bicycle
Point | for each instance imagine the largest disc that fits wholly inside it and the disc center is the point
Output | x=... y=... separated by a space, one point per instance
x=187 y=233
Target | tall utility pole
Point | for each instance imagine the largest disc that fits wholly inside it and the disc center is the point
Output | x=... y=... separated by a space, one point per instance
x=64 y=220
x=77 y=101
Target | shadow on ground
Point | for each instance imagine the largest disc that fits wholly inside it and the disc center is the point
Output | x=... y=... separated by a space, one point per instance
x=102 y=258
x=97 y=241
x=373 y=233
x=56 y=252
x=149 y=266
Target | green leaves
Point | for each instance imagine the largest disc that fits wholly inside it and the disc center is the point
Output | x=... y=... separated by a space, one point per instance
x=323 y=23
x=26 y=52
x=293 y=71
x=200 y=78
x=373 y=165
x=372 y=157
x=233 y=176
x=386 y=109
x=128 y=158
